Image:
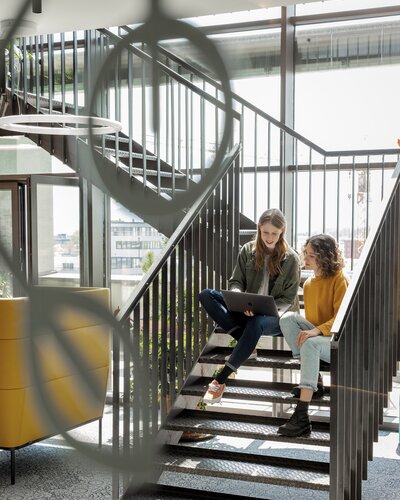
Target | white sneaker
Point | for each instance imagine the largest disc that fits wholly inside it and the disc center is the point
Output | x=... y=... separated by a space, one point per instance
x=214 y=393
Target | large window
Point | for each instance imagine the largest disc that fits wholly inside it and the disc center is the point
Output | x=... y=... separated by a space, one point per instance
x=347 y=81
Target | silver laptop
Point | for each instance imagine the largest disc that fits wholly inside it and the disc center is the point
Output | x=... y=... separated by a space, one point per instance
x=259 y=304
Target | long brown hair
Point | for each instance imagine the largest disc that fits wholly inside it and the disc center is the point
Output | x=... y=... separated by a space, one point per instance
x=277 y=219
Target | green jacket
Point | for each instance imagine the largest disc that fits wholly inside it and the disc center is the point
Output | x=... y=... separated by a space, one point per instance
x=283 y=287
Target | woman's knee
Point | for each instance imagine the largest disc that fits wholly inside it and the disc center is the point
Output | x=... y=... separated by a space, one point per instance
x=287 y=319
x=310 y=346
x=205 y=294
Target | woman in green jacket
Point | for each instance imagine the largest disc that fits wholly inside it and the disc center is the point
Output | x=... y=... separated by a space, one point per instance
x=266 y=265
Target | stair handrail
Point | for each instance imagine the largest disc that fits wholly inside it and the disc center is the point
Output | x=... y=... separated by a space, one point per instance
x=177 y=235
x=365 y=349
x=170 y=72
x=252 y=107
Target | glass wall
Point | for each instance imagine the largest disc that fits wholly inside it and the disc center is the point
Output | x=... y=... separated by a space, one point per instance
x=6 y=240
x=58 y=244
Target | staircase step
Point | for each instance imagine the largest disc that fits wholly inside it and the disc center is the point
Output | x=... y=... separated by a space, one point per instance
x=245 y=466
x=163 y=491
x=275 y=392
x=266 y=358
x=125 y=154
x=245 y=426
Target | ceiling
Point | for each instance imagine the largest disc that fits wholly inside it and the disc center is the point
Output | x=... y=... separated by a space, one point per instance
x=69 y=15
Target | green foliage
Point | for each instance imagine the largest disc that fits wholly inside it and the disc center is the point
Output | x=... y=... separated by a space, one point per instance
x=4 y=286
x=148 y=261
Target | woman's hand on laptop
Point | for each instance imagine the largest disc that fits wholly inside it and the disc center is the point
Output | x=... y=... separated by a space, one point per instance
x=249 y=313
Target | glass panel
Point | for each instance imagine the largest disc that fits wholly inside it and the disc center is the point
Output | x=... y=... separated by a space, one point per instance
x=20 y=155
x=6 y=237
x=342 y=5
x=134 y=247
x=347 y=81
x=58 y=235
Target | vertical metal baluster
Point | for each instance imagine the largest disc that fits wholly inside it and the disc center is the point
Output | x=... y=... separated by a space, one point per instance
x=24 y=71
x=117 y=104
x=309 y=190
x=196 y=287
x=172 y=327
x=137 y=402
x=210 y=242
x=146 y=367
x=217 y=237
x=12 y=66
x=130 y=110
x=203 y=270
x=242 y=160
x=353 y=201
x=367 y=201
x=75 y=70
x=216 y=120
x=202 y=133
x=31 y=64
x=191 y=129
x=236 y=197
x=50 y=55
x=164 y=405
x=187 y=137
x=116 y=411
x=126 y=396
x=255 y=165
x=62 y=48
x=144 y=121
x=269 y=165
x=155 y=311
x=296 y=196
x=173 y=138
x=224 y=232
x=189 y=299
x=179 y=143
x=168 y=119
x=383 y=177
x=37 y=81
x=338 y=201
x=42 y=66
x=324 y=198
x=181 y=312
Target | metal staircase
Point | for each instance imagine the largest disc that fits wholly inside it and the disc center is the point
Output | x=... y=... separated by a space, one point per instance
x=163 y=312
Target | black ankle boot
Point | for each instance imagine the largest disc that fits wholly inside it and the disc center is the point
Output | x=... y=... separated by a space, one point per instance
x=317 y=394
x=299 y=423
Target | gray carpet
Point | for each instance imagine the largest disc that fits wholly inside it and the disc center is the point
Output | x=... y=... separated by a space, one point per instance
x=52 y=470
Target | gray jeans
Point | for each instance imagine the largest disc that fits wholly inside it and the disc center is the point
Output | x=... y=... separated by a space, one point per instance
x=312 y=350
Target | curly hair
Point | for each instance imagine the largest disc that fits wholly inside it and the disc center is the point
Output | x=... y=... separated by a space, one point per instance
x=277 y=219
x=327 y=252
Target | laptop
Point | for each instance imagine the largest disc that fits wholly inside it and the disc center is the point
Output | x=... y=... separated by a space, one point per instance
x=259 y=304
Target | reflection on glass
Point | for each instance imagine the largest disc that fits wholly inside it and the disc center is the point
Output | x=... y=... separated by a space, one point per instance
x=6 y=238
x=58 y=236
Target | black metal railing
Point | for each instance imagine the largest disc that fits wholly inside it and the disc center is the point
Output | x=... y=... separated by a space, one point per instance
x=365 y=351
x=167 y=327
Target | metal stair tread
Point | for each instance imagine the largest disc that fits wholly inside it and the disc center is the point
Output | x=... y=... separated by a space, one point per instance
x=247 y=426
x=165 y=491
x=245 y=467
x=252 y=390
x=266 y=358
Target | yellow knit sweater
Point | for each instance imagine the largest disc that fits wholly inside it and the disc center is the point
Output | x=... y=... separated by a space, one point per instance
x=322 y=298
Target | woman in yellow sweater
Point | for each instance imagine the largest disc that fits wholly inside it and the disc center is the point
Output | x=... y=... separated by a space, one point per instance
x=310 y=338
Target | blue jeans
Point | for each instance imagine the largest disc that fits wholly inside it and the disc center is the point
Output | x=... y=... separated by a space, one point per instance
x=245 y=329
x=310 y=353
